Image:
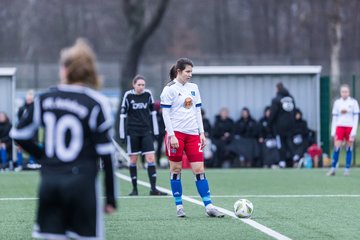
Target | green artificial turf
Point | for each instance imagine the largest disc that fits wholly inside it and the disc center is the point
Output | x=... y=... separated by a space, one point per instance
x=298 y=203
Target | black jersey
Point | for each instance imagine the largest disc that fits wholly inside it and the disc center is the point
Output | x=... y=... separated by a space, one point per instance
x=77 y=122
x=138 y=111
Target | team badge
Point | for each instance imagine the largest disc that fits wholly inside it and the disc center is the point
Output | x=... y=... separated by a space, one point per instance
x=287 y=104
x=193 y=93
x=188 y=103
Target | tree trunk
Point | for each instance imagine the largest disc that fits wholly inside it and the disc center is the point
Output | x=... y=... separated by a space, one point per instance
x=335 y=55
x=336 y=22
x=139 y=32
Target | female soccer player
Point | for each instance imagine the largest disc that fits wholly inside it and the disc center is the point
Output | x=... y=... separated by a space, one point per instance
x=343 y=128
x=77 y=121
x=138 y=108
x=181 y=104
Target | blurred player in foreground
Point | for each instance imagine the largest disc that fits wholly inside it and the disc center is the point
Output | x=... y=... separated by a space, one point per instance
x=77 y=122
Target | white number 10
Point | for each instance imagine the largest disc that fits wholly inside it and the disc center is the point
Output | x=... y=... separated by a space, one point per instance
x=55 y=137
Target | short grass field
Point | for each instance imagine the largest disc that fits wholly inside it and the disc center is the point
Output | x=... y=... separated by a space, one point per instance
x=298 y=203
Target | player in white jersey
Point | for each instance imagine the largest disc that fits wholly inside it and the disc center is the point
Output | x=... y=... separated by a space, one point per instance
x=344 y=126
x=181 y=104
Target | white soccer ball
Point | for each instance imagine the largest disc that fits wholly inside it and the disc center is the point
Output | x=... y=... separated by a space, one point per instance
x=243 y=208
x=164 y=162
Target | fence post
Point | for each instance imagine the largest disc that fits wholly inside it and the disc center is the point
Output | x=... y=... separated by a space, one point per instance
x=325 y=113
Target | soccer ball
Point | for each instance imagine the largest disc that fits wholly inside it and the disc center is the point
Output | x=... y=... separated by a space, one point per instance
x=164 y=162
x=243 y=208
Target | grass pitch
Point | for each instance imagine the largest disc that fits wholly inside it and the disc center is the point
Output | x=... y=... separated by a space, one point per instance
x=300 y=204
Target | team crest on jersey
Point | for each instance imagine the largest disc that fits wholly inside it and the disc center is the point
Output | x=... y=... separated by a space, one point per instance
x=193 y=93
x=287 y=104
x=188 y=103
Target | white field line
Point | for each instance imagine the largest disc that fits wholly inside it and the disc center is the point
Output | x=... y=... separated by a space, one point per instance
x=213 y=196
x=290 y=196
x=18 y=199
x=250 y=222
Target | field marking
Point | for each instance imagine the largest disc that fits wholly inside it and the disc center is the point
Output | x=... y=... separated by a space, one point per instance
x=250 y=222
x=19 y=199
x=213 y=196
x=290 y=196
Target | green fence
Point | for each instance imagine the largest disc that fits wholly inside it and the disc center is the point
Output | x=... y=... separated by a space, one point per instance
x=325 y=113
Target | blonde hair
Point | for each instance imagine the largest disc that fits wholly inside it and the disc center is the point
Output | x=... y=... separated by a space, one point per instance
x=80 y=63
x=345 y=86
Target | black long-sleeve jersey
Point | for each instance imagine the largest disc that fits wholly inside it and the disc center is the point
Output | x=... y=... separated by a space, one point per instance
x=77 y=124
x=138 y=111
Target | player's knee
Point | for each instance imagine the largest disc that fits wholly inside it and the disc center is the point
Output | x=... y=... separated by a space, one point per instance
x=133 y=159
x=198 y=169
x=175 y=169
x=150 y=158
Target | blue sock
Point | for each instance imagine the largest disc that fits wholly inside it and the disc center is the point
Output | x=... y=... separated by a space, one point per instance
x=3 y=157
x=19 y=158
x=202 y=186
x=348 y=157
x=31 y=159
x=176 y=188
x=335 y=157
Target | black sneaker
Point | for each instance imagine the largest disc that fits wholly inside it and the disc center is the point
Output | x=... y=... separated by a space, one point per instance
x=134 y=192
x=157 y=193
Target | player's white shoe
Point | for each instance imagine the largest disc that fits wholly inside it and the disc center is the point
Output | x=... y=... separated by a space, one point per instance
x=346 y=172
x=331 y=172
x=213 y=212
x=180 y=212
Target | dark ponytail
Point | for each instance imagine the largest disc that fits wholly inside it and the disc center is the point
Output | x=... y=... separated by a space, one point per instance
x=172 y=73
x=181 y=64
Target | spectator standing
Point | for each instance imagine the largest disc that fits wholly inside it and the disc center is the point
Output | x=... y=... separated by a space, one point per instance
x=282 y=120
x=23 y=112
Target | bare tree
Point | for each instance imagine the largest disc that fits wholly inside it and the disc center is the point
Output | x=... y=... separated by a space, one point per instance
x=142 y=25
x=336 y=25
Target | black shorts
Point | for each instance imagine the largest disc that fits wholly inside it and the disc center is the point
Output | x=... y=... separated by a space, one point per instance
x=69 y=207
x=140 y=144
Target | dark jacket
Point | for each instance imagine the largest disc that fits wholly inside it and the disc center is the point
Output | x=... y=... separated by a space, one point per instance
x=300 y=126
x=24 y=109
x=161 y=123
x=246 y=128
x=207 y=127
x=282 y=113
x=265 y=131
x=223 y=126
x=5 y=128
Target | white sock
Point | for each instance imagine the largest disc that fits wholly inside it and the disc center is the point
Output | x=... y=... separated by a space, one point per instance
x=179 y=207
